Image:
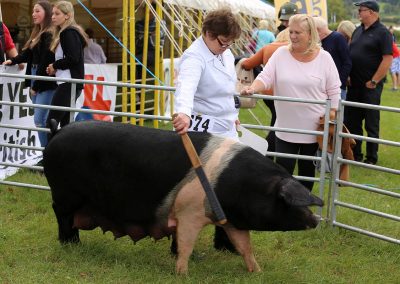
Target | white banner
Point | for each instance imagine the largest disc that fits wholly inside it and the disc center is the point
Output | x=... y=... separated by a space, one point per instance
x=98 y=97
x=13 y=90
x=168 y=81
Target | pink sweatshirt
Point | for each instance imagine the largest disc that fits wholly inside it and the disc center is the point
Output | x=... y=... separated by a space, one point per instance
x=317 y=80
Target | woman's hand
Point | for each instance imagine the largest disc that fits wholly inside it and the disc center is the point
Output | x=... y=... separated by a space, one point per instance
x=181 y=122
x=7 y=62
x=32 y=92
x=50 y=70
x=247 y=91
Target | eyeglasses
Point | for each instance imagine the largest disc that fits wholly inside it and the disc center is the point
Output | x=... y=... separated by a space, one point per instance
x=362 y=10
x=224 y=45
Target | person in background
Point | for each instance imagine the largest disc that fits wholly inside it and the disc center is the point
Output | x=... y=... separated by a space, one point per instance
x=93 y=53
x=395 y=68
x=205 y=87
x=300 y=70
x=7 y=46
x=139 y=40
x=262 y=57
x=287 y=10
x=68 y=44
x=371 y=55
x=263 y=35
x=36 y=52
x=336 y=44
x=391 y=30
x=346 y=28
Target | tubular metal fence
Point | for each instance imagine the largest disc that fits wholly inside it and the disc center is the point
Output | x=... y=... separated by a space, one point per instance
x=332 y=182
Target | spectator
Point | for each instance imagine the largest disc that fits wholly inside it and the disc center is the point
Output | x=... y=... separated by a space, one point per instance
x=206 y=84
x=336 y=45
x=346 y=28
x=300 y=70
x=93 y=53
x=7 y=46
x=391 y=30
x=371 y=55
x=395 y=68
x=36 y=52
x=263 y=36
x=262 y=57
x=287 y=10
x=68 y=44
x=139 y=41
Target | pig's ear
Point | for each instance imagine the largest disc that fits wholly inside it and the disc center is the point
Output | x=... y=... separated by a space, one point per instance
x=294 y=193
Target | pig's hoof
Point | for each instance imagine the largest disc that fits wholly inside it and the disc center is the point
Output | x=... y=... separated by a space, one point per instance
x=182 y=270
x=69 y=240
x=255 y=268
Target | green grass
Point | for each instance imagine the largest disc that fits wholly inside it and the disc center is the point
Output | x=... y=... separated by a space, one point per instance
x=30 y=252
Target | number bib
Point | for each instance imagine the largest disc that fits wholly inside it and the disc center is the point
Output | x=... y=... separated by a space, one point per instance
x=201 y=123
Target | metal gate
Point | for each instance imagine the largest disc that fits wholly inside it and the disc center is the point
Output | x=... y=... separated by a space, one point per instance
x=339 y=185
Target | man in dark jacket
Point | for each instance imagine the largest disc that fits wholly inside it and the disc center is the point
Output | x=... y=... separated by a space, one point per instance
x=371 y=55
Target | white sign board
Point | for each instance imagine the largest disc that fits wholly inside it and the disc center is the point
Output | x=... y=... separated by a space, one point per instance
x=13 y=90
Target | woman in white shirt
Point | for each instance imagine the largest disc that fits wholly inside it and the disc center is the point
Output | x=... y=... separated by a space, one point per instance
x=204 y=100
x=68 y=44
x=300 y=70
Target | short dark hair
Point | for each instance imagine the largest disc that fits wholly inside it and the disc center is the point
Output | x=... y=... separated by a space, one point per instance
x=222 y=22
x=89 y=32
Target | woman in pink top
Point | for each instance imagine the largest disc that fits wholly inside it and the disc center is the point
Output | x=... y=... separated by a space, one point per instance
x=300 y=70
x=261 y=57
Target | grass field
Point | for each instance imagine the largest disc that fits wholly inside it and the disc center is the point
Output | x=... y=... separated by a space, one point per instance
x=30 y=252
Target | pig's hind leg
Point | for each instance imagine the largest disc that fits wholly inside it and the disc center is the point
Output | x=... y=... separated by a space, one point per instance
x=65 y=219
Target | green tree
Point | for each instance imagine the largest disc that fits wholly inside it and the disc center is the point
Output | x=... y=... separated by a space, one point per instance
x=337 y=11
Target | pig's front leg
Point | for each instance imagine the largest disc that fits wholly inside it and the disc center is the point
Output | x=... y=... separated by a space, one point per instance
x=187 y=231
x=241 y=241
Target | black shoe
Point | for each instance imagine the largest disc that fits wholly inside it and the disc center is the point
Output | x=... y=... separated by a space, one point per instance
x=40 y=163
x=358 y=159
x=369 y=162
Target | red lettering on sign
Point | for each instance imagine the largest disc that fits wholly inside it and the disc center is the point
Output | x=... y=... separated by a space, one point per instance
x=96 y=101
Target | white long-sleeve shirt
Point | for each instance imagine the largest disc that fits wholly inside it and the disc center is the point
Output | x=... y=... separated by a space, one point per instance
x=206 y=86
x=317 y=80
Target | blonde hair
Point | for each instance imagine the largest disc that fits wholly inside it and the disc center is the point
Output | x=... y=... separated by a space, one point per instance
x=66 y=8
x=307 y=24
x=263 y=25
x=320 y=22
x=283 y=36
x=346 y=28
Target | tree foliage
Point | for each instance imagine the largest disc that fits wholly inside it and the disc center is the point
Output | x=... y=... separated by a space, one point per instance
x=337 y=11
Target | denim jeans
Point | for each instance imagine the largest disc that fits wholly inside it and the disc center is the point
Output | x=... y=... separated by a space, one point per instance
x=343 y=94
x=40 y=114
